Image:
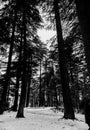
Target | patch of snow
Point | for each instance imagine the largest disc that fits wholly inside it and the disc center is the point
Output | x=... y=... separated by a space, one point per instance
x=41 y=119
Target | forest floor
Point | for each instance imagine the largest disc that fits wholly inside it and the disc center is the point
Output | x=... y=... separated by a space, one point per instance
x=41 y=119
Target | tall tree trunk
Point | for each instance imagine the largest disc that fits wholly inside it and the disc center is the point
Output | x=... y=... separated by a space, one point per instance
x=14 y=108
x=55 y=96
x=3 y=101
x=20 y=113
x=28 y=93
x=40 y=98
x=83 y=10
x=46 y=86
x=68 y=109
x=77 y=90
x=29 y=82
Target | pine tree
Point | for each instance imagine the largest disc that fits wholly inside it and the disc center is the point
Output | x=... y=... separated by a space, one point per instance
x=3 y=101
x=33 y=13
x=68 y=109
x=18 y=76
x=84 y=16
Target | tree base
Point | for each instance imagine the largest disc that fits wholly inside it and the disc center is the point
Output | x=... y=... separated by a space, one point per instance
x=1 y=112
x=1 y=108
x=20 y=116
x=68 y=116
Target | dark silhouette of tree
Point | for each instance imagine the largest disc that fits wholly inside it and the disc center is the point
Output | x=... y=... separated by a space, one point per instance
x=3 y=101
x=29 y=10
x=68 y=108
x=84 y=19
x=29 y=15
x=40 y=98
x=29 y=78
x=18 y=76
x=23 y=87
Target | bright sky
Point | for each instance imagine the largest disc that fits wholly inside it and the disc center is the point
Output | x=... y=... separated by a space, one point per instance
x=45 y=34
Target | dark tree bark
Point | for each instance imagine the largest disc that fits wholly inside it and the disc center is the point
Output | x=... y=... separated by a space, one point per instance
x=68 y=109
x=40 y=95
x=46 y=88
x=3 y=102
x=14 y=108
x=83 y=10
x=29 y=81
x=20 y=113
x=28 y=93
x=56 y=99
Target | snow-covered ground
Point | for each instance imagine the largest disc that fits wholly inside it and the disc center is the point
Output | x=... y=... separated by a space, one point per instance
x=41 y=119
